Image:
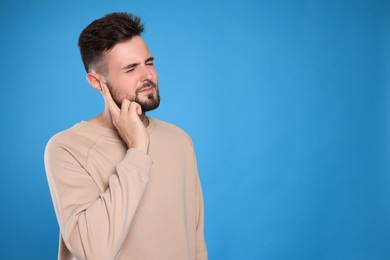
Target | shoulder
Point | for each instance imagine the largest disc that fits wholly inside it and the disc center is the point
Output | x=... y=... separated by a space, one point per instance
x=76 y=133
x=170 y=130
x=76 y=139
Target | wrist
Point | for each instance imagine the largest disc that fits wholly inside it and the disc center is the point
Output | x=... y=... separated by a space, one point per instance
x=142 y=148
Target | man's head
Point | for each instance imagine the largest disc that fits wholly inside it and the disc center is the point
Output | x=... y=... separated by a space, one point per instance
x=114 y=53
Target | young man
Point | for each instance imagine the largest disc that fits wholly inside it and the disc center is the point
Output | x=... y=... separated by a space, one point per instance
x=124 y=185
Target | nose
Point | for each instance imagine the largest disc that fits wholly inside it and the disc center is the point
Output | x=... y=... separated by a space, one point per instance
x=146 y=74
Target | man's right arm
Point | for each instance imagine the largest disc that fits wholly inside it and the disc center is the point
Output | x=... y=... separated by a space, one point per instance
x=95 y=224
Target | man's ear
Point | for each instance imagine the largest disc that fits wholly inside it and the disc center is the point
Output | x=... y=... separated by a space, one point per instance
x=95 y=80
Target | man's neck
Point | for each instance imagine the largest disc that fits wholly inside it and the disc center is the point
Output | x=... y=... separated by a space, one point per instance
x=104 y=120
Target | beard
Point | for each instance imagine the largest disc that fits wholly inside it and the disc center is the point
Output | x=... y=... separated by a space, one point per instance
x=152 y=100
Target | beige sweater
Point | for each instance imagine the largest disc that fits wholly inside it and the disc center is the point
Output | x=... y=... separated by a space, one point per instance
x=117 y=203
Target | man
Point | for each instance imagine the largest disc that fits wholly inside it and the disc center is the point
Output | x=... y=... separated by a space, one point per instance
x=124 y=185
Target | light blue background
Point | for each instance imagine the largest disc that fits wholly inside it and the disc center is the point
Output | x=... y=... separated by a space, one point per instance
x=287 y=103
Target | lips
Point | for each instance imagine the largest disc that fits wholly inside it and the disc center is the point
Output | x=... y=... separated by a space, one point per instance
x=147 y=87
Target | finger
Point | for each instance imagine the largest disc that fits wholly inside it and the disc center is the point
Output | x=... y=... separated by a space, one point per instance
x=135 y=108
x=112 y=106
x=125 y=106
x=139 y=110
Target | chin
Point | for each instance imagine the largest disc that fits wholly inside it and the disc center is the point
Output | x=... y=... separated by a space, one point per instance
x=152 y=102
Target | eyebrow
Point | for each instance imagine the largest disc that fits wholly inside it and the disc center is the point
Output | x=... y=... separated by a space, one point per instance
x=132 y=65
x=149 y=59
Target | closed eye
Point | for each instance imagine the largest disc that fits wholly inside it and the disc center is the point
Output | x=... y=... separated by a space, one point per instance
x=130 y=69
x=150 y=61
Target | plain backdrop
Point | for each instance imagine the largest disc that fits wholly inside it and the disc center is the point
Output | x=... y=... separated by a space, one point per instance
x=287 y=102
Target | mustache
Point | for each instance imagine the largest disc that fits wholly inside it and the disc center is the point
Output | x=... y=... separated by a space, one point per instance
x=148 y=83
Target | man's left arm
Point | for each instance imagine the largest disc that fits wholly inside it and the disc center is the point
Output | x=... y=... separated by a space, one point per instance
x=201 y=249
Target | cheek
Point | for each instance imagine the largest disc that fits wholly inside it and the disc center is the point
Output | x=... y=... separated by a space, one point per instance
x=154 y=73
x=127 y=82
x=124 y=87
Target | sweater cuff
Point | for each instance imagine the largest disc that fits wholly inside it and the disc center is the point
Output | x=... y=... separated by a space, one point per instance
x=139 y=160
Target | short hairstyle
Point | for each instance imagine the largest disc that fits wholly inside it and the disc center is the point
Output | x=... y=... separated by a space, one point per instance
x=103 y=34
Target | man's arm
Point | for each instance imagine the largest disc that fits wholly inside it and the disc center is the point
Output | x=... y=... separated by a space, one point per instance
x=201 y=248
x=94 y=225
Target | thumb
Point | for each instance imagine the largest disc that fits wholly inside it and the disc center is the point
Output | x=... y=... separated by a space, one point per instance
x=139 y=109
x=136 y=108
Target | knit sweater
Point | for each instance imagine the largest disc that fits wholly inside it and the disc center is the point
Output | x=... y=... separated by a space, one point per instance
x=117 y=203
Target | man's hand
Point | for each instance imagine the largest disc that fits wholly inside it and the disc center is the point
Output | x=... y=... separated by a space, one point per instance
x=127 y=121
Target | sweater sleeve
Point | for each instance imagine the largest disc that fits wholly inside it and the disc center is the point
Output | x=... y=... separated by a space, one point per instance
x=94 y=224
x=201 y=249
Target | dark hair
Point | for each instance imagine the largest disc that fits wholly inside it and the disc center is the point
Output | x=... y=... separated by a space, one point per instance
x=103 y=34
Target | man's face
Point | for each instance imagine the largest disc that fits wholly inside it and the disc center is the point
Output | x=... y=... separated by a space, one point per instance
x=131 y=74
